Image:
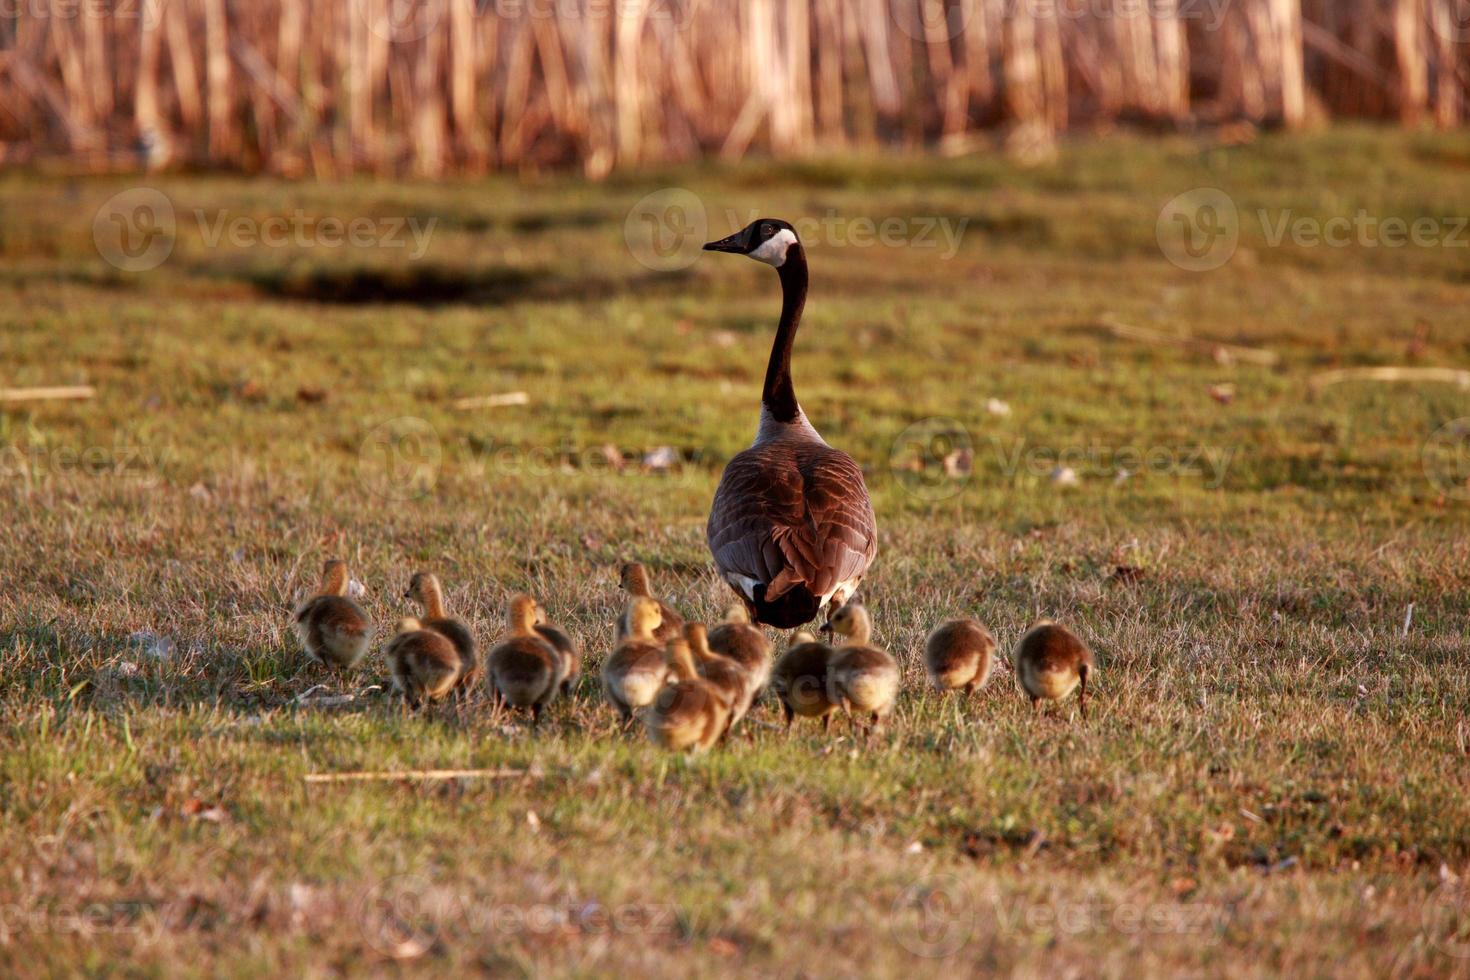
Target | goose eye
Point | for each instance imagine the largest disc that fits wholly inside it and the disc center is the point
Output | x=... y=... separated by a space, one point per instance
x=767 y=231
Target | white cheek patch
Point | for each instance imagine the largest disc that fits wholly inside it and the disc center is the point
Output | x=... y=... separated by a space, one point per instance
x=773 y=250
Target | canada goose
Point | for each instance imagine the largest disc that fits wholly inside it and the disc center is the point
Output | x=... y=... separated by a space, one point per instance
x=959 y=654
x=635 y=671
x=862 y=678
x=565 y=646
x=690 y=714
x=424 y=589
x=745 y=644
x=524 y=671
x=424 y=663
x=791 y=528
x=332 y=627
x=730 y=678
x=799 y=679
x=634 y=579
x=1051 y=661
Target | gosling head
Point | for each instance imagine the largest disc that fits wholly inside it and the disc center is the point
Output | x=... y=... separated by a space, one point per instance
x=852 y=622
x=422 y=586
x=522 y=613
x=334 y=577
x=409 y=625
x=633 y=578
x=800 y=637
x=768 y=240
x=643 y=618
x=737 y=613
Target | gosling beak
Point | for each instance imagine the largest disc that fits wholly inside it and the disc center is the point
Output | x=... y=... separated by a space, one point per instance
x=825 y=629
x=408 y=595
x=734 y=244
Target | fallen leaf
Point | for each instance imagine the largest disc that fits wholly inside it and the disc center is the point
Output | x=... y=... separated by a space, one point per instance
x=1222 y=393
x=311 y=396
x=197 y=809
x=721 y=946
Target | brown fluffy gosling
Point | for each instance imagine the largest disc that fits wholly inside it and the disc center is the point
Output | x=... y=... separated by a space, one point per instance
x=732 y=680
x=424 y=589
x=690 y=714
x=565 y=647
x=523 y=670
x=332 y=627
x=635 y=672
x=1051 y=661
x=634 y=579
x=862 y=678
x=745 y=644
x=799 y=679
x=424 y=663
x=959 y=655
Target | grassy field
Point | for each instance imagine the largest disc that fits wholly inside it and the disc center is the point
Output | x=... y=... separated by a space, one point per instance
x=1274 y=778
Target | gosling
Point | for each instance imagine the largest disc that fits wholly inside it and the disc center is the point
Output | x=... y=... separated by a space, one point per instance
x=635 y=671
x=689 y=715
x=1051 y=662
x=334 y=629
x=424 y=589
x=745 y=644
x=959 y=655
x=862 y=678
x=634 y=579
x=565 y=647
x=524 y=671
x=799 y=679
x=732 y=680
x=425 y=664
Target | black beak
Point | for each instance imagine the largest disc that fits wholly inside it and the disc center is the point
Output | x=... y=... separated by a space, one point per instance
x=735 y=243
x=408 y=595
x=825 y=629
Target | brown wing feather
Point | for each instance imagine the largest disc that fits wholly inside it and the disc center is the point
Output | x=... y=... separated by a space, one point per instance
x=794 y=507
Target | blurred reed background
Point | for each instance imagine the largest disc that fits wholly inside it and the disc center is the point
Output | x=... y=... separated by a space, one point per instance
x=428 y=87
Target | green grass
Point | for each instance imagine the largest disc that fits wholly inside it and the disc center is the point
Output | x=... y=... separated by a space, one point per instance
x=1273 y=779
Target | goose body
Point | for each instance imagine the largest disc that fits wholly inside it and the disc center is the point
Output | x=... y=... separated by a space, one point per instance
x=689 y=714
x=523 y=670
x=635 y=672
x=862 y=678
x=424 y=589
x=1051 y=662
x=334 y=629
x=792 y=527
x=424 y=663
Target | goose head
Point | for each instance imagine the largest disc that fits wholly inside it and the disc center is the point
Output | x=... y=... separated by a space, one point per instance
x=767 y=240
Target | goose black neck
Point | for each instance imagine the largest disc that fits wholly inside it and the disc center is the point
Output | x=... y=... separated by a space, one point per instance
x=779 y=396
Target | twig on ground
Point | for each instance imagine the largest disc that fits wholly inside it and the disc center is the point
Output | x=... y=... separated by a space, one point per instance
x=1453 y=376
x=1220 y=352
x=427 y=774
x=505 y=400
x=73 y=393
